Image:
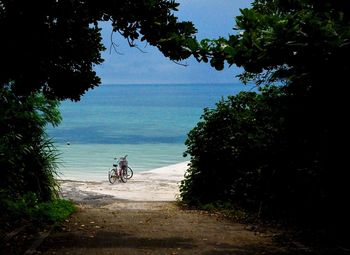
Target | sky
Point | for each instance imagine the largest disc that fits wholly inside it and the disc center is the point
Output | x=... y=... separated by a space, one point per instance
x=212 y=18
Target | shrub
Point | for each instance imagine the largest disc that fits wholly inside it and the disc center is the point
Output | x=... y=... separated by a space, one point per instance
x=28 y=158
x=261 y=152
x=30 y=209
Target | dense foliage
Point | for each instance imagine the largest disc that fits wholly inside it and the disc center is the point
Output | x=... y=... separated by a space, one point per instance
x=27 y=156
x=302 y=40
x=48 y=50
x=249 y=152
x=278 y=152
x=51 y=46
x=29 y=208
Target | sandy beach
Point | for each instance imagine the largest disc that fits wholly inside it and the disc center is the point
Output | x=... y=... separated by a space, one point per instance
x=160 y=184
x=141 y=217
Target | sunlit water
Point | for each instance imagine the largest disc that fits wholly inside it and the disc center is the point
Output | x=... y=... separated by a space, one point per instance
x=149 y=123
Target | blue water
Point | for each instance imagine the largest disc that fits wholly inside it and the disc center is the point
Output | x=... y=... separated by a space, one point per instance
x=149 y=122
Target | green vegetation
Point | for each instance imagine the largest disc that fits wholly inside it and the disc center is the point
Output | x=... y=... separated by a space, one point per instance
x=247 y=151
x=28 y=157
x=63 y=40
x=55 y=62
x=277 y=153
x=28 y=208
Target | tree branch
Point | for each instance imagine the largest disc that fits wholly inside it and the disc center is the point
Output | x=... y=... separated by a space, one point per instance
x=180 y=64
x=114 y=45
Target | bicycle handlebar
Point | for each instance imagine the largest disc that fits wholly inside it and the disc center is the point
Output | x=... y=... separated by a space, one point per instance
x=122 y=157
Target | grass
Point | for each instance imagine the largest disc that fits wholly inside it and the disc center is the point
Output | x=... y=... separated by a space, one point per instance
x=28 y=209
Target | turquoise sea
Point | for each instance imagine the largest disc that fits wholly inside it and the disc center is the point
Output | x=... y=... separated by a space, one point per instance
x=148 y=122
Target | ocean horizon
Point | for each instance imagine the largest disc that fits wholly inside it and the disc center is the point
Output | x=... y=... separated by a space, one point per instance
x=147 y=122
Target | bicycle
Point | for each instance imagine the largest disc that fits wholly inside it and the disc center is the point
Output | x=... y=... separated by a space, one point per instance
x=121 y=170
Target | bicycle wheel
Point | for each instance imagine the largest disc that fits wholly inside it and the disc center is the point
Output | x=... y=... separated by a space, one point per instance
x=112 y=176
x=130 y=173
x=124 y=175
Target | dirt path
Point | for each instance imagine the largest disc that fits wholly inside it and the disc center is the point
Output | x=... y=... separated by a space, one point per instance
x=104 y=225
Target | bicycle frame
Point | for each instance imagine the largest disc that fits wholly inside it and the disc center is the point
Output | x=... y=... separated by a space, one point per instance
x=120 y=170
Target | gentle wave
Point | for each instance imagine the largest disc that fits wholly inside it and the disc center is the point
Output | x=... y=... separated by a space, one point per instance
x=148 y=122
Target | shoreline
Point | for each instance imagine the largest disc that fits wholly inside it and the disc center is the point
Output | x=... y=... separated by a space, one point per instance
x=160 y=184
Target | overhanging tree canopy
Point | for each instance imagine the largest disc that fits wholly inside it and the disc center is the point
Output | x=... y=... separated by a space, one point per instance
x=304 y=44
x=279 y=152
x=288 y=41
x=52 y=45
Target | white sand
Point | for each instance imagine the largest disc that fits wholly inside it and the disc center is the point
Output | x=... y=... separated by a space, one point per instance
x=161 y=184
